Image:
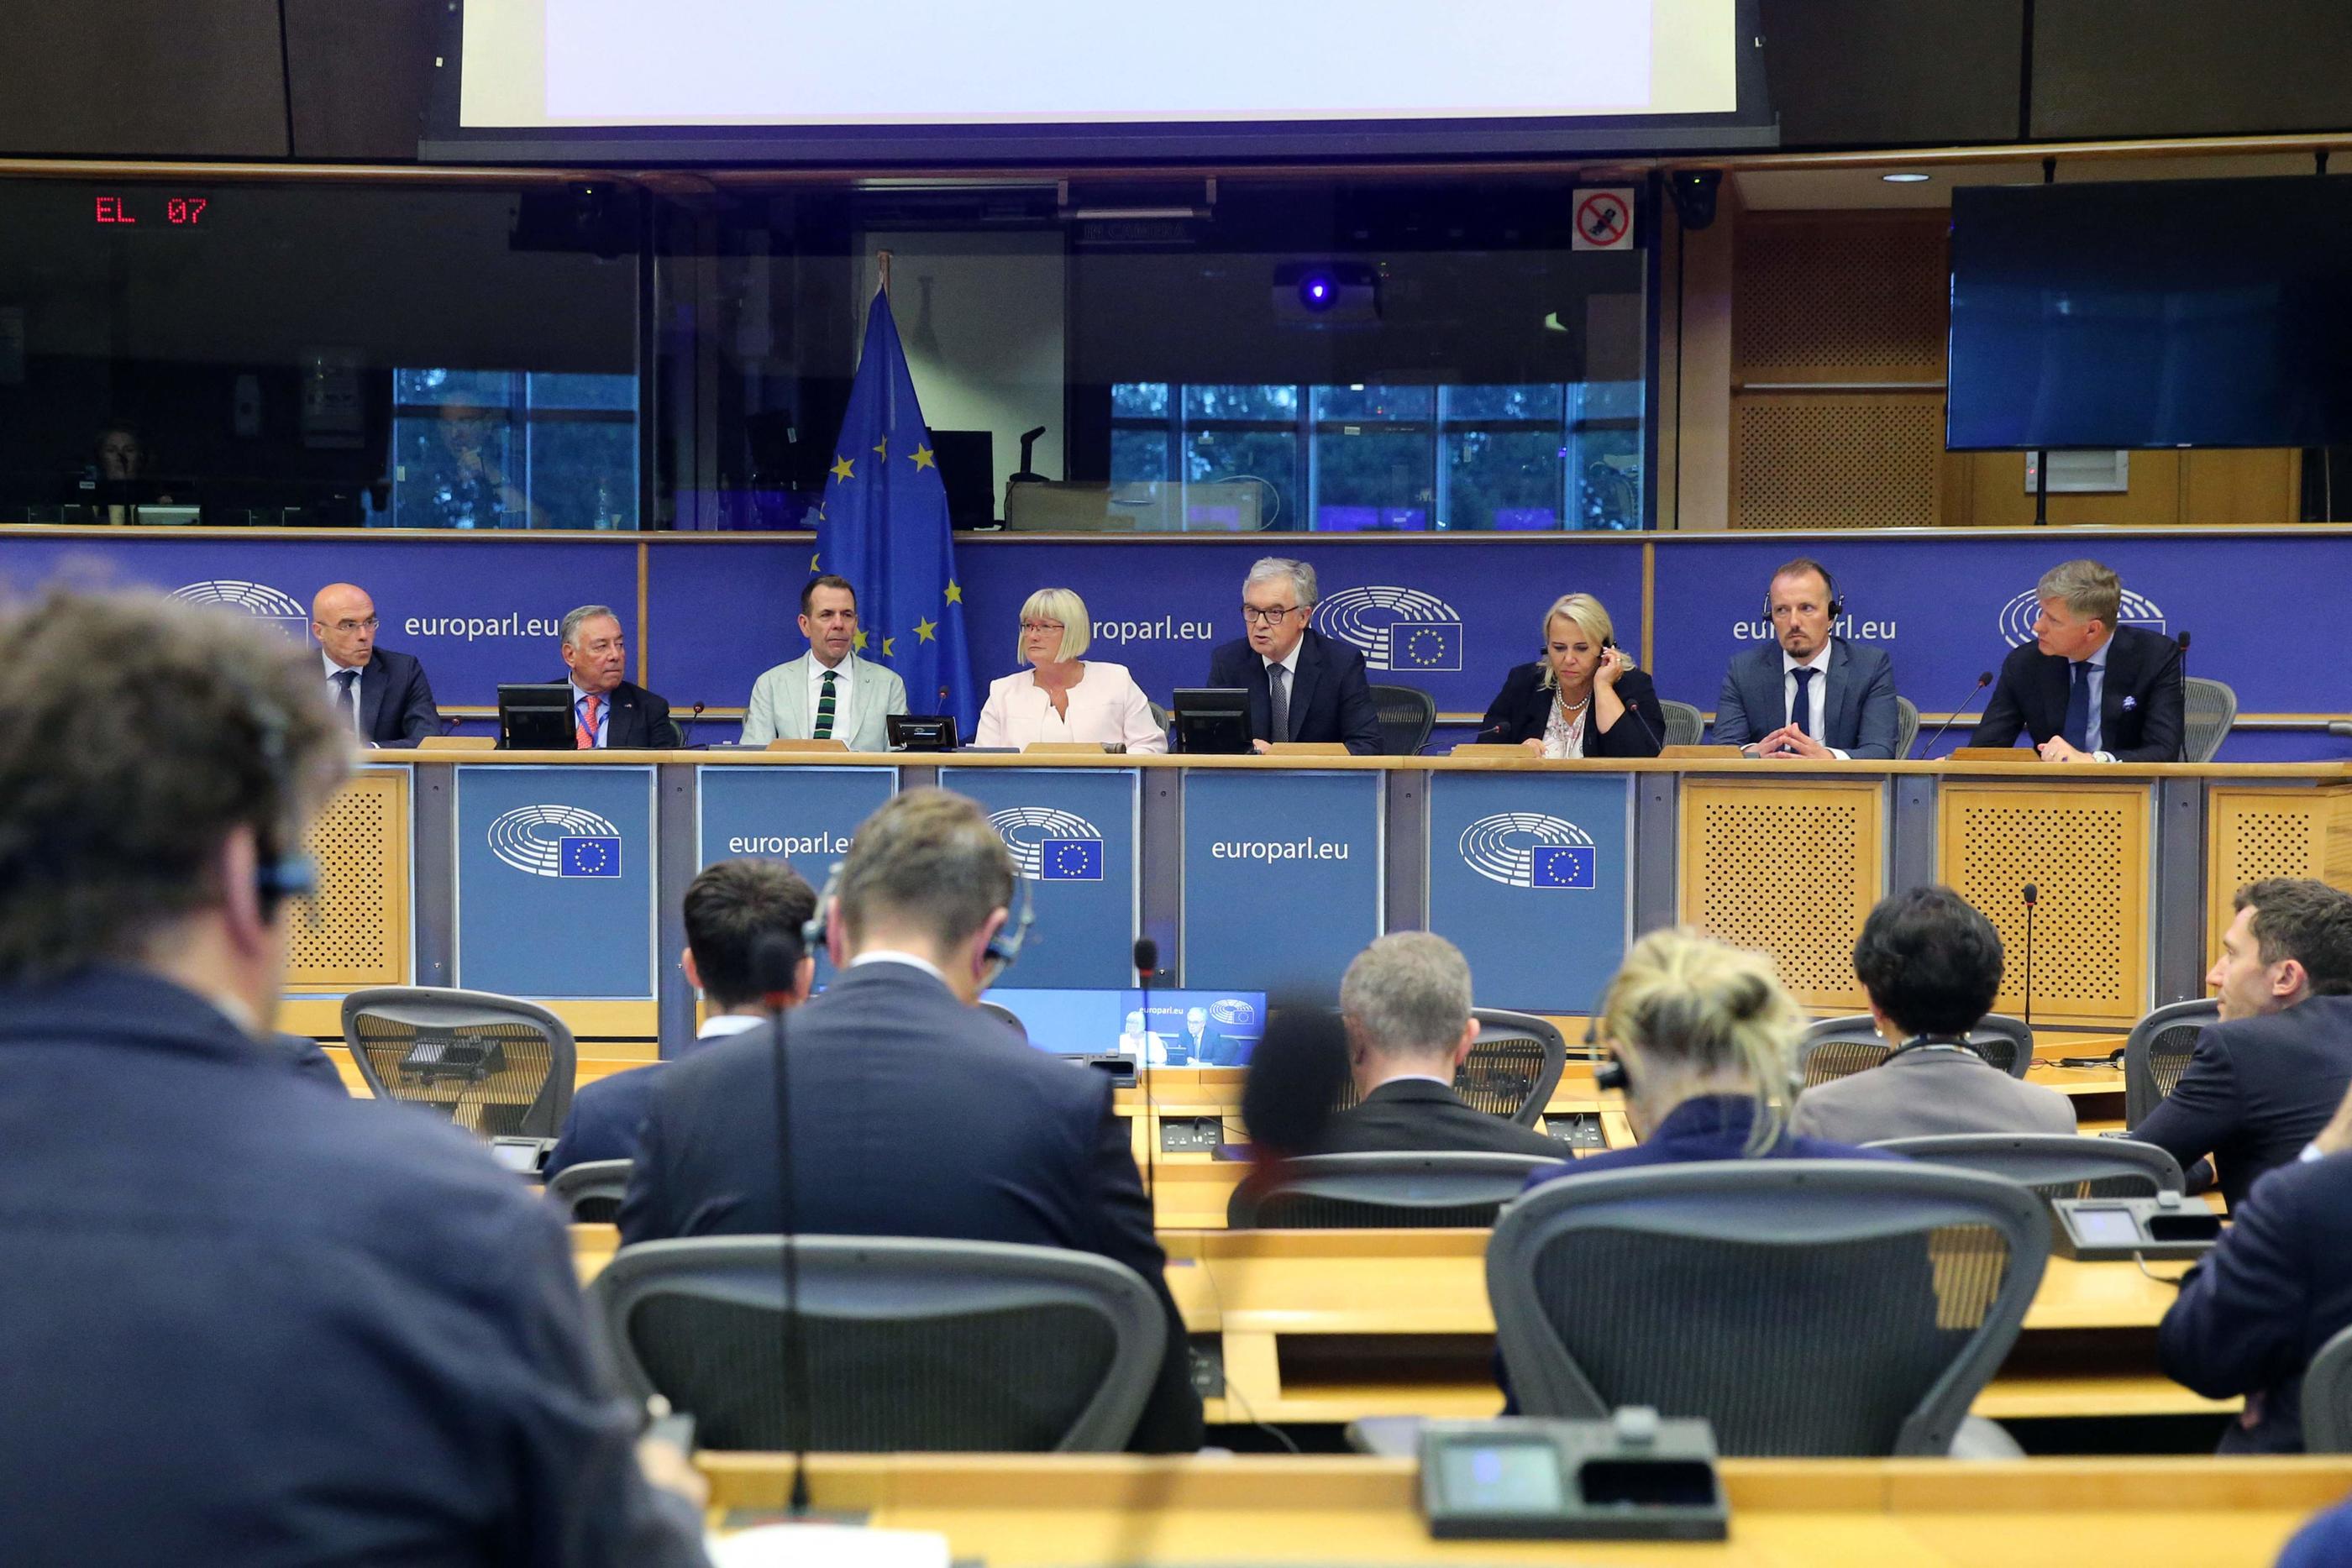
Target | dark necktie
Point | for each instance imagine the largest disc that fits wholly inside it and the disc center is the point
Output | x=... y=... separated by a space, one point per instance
x=2078 y=709
x=823 y=730
x=1278 y=681
x=1802 y=717
x=347 y=707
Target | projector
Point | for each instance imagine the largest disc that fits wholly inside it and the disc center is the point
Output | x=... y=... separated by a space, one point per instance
x=1326 y=294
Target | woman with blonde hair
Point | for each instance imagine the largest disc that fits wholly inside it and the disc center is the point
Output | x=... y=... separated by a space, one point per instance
x=1061 y=697
x=1582 y=696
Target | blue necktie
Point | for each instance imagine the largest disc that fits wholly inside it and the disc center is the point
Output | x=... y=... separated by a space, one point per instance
x=1803 y=716
x=2078 y=709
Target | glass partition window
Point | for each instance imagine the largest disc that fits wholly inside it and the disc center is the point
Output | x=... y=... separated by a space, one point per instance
x=476 y=449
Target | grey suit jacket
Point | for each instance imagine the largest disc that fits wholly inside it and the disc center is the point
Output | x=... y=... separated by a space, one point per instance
x=780 y=709
x=1858 y=716
x=1926 y=1095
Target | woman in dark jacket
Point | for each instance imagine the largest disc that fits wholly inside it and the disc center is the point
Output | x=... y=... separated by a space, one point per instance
x=1582 y=697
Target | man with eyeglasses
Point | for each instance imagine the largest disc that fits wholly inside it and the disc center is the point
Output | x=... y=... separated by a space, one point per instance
x=1302 y=685
x=379 y=695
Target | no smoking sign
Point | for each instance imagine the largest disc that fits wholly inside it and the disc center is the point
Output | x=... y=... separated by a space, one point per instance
x=1604 y=218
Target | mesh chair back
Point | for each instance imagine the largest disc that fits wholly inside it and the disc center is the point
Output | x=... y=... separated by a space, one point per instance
x=592 y=1191
x=495 y=1065
x=1804 y=1307
x=2054 y=1165
x=1906 y=727
x=2328 y=1397
x=912 y=1345
x=1514 y=1067
x=1384 y=1191
x=2158 y=1053
x=1162 y=716
x=1833 y=1048
x=2007 y=1042
x=1407 y=716
x=2207 y=709
x=1007 y=1017
x=1685 y=724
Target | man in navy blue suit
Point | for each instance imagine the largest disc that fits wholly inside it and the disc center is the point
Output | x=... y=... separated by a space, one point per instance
x=1302 y=685
x=2266 y=1078
x=913 y=1112
x=247 y=1321
x=382 y=696
x=732 y=909
x=1813 y=693
x=2087 y=689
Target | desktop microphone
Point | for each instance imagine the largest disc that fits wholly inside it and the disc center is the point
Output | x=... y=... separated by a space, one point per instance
x=1147 y=964
x=1983 y=682
x=2030 y=895
x=774 y=964
x=2184 y=653
x=686 y=730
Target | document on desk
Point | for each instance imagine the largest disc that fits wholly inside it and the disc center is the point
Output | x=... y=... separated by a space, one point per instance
x=827 y=1546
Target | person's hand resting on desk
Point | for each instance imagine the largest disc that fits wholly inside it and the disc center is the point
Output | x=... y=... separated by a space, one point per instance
x=1791 y=742
x=2057 y=748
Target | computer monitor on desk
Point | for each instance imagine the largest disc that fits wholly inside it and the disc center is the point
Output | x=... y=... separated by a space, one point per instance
x=536 y=718
x=1212 y=721
x=1196 y=1028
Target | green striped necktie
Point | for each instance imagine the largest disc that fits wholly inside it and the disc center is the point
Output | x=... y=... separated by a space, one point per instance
x=824 y=708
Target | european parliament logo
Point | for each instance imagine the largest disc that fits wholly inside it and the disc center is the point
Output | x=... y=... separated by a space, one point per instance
x=1396 y=629
x=2017 y=616
x=556 y=841
x=1527 y=848
x=1047 y=845
x=257 y=600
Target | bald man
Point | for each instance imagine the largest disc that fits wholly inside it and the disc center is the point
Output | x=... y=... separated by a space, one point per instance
x=384 y=696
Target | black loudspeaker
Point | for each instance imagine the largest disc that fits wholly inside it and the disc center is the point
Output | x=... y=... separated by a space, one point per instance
x=1693 y=192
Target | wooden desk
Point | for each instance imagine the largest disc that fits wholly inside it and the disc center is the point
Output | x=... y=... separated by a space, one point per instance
x=1012 y=1511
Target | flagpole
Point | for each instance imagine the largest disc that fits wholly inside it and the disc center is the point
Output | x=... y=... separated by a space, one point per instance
x=882 y=260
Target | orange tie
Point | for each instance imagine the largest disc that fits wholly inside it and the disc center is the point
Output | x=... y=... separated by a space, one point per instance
x=587 y=732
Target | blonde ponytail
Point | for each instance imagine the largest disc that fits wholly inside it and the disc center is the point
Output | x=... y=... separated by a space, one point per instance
x=1690 y=1004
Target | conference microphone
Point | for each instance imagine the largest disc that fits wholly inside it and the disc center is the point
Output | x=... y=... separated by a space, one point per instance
x=1147 y=964
x=773 y=970
x=1983 y=682
x=2184 y=653
x=2031 y=896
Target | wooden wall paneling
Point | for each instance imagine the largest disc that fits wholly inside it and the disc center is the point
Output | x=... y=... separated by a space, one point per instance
x=1738 y=836
x=2261 y=488
x=1837 y=460
x=355 y=932
x=1999 y=499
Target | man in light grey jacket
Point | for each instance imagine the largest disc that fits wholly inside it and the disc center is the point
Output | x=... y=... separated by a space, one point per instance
x=828 y=693
x=1931 y=965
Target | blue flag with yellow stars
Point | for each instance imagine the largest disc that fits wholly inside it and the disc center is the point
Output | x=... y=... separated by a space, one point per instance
x=884 y=525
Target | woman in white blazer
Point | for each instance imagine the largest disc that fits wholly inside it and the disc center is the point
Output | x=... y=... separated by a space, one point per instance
x=1062 y=697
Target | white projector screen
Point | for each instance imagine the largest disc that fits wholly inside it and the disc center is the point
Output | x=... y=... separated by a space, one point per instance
x=807 y=65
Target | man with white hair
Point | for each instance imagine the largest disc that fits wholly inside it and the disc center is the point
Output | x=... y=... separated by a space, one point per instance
x=1302 y=685
x=1406 y=1003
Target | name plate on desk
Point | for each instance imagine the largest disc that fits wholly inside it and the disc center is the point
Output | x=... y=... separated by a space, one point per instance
x=1994 y=754
x=458 y=743
x=1493 y=752
x=827 y=744
x=1305 y=748
x=1697 y=753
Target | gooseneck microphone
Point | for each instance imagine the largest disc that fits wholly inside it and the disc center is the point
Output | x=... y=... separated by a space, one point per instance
x=686 y=730
x=1983 y=680
x=1147 y=964
x=2184 y=653
x=2031 y=897
x=774 y=964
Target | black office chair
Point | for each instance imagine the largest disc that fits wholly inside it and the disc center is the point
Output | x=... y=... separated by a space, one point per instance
x=1513 y=1067
x=495 y=1065
x=911 y=1344
x=2207 y=709
x=1906 y=727
x=1382 y=1191
x=1407 y=716
x=1685 y=724
x=2054 y=1165
x=1804 y=1308
x=2328 y=1397
x=590 y=1193
x=1835 y=1047
x=2158 y=1053
x=1007 y=1017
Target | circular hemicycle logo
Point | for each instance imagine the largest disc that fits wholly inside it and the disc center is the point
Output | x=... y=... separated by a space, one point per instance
x=1026 y=829
x=530 y=838
x=1396 y=629
x=1512 y=846
x=257 y=600
x=2017 y=616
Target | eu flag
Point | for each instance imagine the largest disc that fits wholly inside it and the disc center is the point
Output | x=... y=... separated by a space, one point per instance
x=884 y=525
x=588 y=854
x=1562 y=865
x=1425 y=645
x=1070 y=859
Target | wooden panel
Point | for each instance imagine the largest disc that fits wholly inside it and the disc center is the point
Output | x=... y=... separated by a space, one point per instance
x=1837 y=460
x=2253 y=833
x=2258 y=487
x=1998 y=497
x=1841 y=297
x=1791 y=869
x=2085 y=848
x=355 y=933
x=623 y=1032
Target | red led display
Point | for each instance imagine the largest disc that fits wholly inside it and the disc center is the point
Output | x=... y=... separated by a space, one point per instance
x=145 y=208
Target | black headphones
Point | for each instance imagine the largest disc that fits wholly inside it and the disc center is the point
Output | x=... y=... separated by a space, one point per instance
x=1610 y=1074
x=276 y=877
x=1837 y=603
x=1003 y=949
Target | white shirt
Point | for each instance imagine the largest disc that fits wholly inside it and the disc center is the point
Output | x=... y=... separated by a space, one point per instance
x=1817 y=699
x=727 y=1023
x=1563 y=735
x=1105 y=707
x=887 y=956
x=844 y=676
x=334 y=686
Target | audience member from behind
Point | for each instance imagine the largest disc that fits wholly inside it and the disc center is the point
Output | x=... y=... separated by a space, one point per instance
x=1707 y=1040
x=1931 y=965
x=379 y=695
x=247 y=1320
x=2256 y=1310
x=891 y=1054
x=2266 y=1078
x=1406 y=1000
x=731 y=910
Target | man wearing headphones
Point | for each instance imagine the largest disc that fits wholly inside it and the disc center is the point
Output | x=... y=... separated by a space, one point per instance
x=1816 y=696
x=911 y=1112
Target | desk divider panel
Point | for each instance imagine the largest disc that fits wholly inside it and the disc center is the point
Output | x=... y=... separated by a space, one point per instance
x=555 y=879
x=1284 y=877
x=355 y=932
x=803 y=815
x=1789 y=867
x=2255 y=832
x=1075 y=837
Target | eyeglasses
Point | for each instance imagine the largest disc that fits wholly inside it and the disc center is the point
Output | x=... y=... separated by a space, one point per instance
x=1251 y=616
x=1041 y=626
x=347 y=627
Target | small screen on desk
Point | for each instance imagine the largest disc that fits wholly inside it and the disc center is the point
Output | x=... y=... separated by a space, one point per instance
x=2107 y=1227
x=1179 y=1028
x=1501 y=1478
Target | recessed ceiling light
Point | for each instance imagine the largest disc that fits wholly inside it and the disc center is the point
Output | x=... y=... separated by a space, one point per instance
x=1904 y=179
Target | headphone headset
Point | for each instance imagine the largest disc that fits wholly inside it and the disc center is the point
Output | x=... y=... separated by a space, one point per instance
x=1837 y=603
x=276 y=877
x=1002 y=951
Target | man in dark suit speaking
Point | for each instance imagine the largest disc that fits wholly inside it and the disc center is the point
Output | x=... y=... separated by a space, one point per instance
x=1302 y=684
x=607 y=712
x=913 y=1114
x=381 y=696
x=1832 y=699
x=2086 y=689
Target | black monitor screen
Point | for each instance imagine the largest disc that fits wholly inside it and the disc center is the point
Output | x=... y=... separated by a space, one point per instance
x=2152 y=314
